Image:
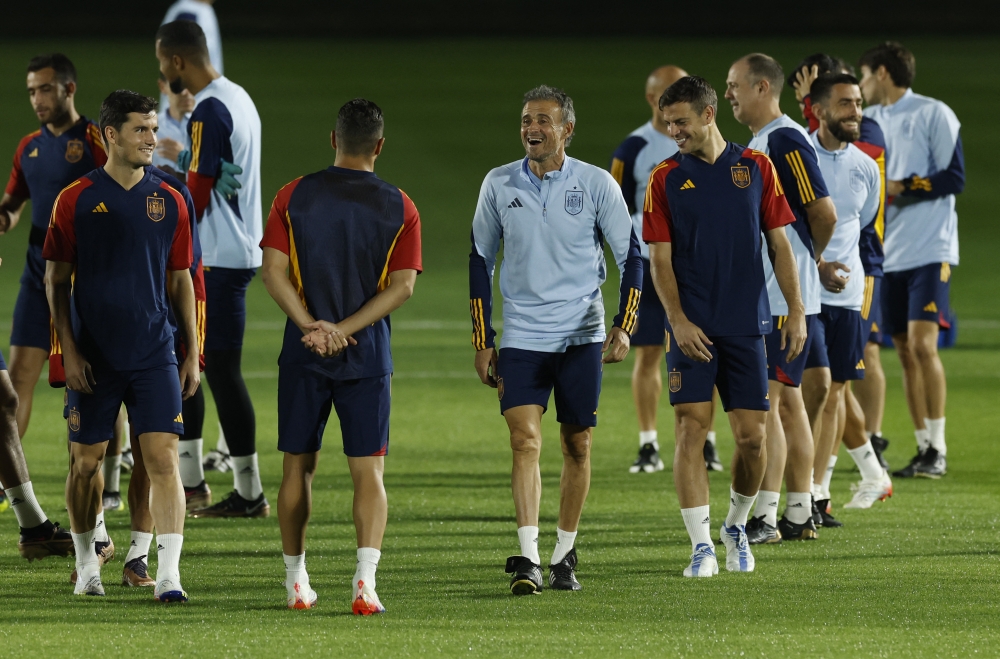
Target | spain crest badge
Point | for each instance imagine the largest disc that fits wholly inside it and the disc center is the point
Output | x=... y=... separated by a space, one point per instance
x=574 y=202
x=741 y=176
x=156 y=208
x=74 y=151
x=674 y=381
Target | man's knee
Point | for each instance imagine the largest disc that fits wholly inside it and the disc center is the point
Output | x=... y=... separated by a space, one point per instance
x=576 y=444
x=8 y=399
x=161 y=462
x=525 y=440
x=85 y=463
x=924 y=349
x=692 y=422
x=647 y=360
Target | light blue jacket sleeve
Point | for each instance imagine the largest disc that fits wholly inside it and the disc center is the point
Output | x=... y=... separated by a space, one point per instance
x=869 y=212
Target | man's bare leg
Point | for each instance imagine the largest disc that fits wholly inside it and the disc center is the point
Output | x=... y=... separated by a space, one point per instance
x=371 y=512
x=25 y=368
x=135 y=572
x=770 y=488
x=815 y=390
x=166 y=505
x=923 y=346
x=525 y=424
x=870 y=392
x=84 y=484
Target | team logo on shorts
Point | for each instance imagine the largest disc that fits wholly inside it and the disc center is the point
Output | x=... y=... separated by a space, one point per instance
x=741 y=176
x=499 y=388
x=74 y=420
x=574 y=202
x=156 y=208
x=74 y=150
x=674 y=382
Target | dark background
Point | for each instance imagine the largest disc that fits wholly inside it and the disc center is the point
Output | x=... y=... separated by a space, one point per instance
x=398 y=18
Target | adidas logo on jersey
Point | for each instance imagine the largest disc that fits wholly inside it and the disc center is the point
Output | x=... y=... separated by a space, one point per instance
x=100 y=208
x=688 y=185
x=515 y=204
x=34 y=153
x=932 y=308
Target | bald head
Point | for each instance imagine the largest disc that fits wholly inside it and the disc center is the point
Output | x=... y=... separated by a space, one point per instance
x=661 y=78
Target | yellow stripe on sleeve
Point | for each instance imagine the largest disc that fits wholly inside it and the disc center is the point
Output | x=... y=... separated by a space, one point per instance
x=648 y=202
x=618 y=170
x=196 y=128
x=806 y=193
x=880 y=216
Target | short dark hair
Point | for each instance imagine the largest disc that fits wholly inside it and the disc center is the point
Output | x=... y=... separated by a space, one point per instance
x=117 y=106
x=549 y=93
x=823 y=63
x=843 y=66
x=359 y=127
x=823 y=85
x=899 y=63
x=184 y=38
x=765 y=67
x=65 y=71
x=690 y=89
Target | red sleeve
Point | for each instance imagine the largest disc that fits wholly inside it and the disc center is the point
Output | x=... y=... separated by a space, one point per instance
x=807 y=112
x=182 y=248
x=200 y=187
x=276 y=233
x=656 y=217
x=774 y=209
x=60 y=240
x=17 y=186
x=96 y=143
x=406 y=253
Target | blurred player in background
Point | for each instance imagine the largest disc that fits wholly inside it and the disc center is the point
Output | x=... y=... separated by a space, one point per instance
x=633 y=160
x=203 y=13
x=925 y=169
x=341 y=252
x=120 y=237
x=553 y=214
x=753 y=88
x=172 y=139
x=224 y=126
x=704 y=213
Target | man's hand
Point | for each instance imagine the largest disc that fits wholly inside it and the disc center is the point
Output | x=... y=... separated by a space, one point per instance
x=486 y=366
x=829 y=278
x=170 y=149
x=326 y=339
x=793 y=334
x=190 y=376
x=79 y=374
x=183 y=161
x=691 y=340
x=894 y=188
x=226 y=184
x=616 y=346
x=804 y=78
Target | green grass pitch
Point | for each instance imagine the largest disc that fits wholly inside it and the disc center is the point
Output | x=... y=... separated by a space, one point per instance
x=918 y=575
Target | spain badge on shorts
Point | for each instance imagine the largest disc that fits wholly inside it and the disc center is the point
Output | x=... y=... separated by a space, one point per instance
x=674 y=381
x=741 y=176
x=156 y=208
x=74 y=420
x=74 y=150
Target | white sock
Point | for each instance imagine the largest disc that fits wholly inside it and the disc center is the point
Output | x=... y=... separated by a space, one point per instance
x=936 y=429
x=246 y=477
x=798 y=508
x=126 y=435
x=189 y=462
x=528 y=537
x=828 y=475
x=22 y=500
x=84 y=545
x=923 y=439
x=168 y=556
x=711 y=437
x=739 y=508
x=367 y=564
x=564 y=542
x=139 y=547
x=698 y=524
x=221 y=446
x=767 y=506
x=100 y=530
x=295 y=570
x=647 y=437
x=112 y=469
x=868 y=464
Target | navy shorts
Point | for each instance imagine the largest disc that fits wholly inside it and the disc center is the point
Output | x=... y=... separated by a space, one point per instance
x=305 y=398
x=840 y=343
x=226 y=290
x=789 y=373
x=917 y=294
x=871 y=309
x=30 y=325
x=738 y=368
x=652 y=318
x=527 y=377
x=151 y=396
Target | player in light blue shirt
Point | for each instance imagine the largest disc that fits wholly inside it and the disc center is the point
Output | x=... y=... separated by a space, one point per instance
x=172 y=136
x=553 y=215
x=925 y=170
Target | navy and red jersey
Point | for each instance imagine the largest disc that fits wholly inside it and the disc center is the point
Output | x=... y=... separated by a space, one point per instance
x=44 y=164
x=122 y=243
x=713 y=216
x=345 y=232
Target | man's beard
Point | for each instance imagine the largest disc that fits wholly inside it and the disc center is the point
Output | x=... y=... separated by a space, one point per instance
x=60 y=116
x=176 y=86
x=838 y=131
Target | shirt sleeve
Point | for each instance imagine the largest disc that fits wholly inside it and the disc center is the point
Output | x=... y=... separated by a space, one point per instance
x=487 y=233
x=615 y=224
x=210 y=129
x=774 y=209
x=406 y=255
x=181 y=249
x=656 y=210
x=96 y=143
x=872 y=208
x=797 y=166
x=623 y=168
x=60 y=239
x=17 y=185
x=276 y=233
x=947 y=158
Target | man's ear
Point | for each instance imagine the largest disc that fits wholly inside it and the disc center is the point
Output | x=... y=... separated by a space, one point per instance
x=708 y=114
x=379 y=145
x=333 y=139
x=110 y=135
x=70 y=89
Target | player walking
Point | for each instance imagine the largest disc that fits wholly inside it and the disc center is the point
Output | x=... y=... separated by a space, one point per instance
x=553 y=214
x=925 y=170
x=704 y=213
x=224 y=126
x=753 y=88
x=350 y=245
x=121 y=237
